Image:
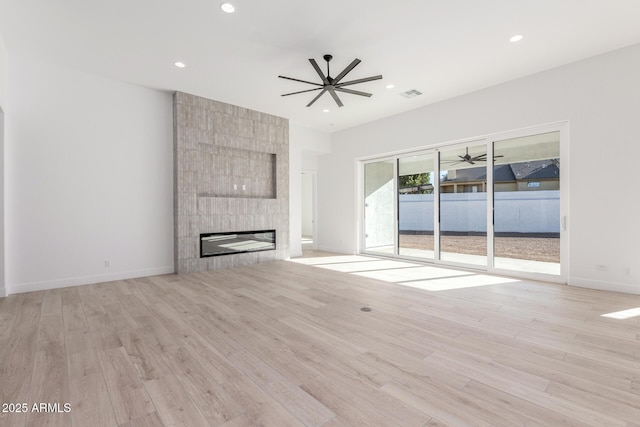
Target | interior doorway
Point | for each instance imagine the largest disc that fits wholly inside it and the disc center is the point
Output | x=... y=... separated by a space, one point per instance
x=308 y=210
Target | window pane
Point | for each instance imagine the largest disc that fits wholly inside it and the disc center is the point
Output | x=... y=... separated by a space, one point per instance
x=379 y=200
x=527 y=203
x=463 y=205
x=415 y=206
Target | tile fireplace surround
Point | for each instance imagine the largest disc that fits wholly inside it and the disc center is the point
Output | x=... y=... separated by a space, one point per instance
x=231 y=173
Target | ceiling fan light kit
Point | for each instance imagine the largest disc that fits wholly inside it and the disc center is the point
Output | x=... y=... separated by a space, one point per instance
x=332 y=84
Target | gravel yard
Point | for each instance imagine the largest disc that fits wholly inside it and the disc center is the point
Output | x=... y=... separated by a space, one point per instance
x=545 y=249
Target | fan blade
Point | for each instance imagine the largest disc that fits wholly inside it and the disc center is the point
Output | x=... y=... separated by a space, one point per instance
x=302 y=91
x=353 y=92
x=353 y=82
x=345 y=71
x=319 y=71
x=335 y=97
x=301 y=81
x=318 y=96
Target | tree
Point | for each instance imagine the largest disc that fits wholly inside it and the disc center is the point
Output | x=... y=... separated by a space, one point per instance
x=415 y=181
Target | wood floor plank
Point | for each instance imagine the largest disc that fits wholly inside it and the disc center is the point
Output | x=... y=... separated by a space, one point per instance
x=435 y=402
x=147 y=420
x=103 y=333
x=50 y=379
x=374 y=400
x=52 y=302
x=144 y=357
x=302 y=405
x=74 y=318
x=527 y=412
x=215 y=403
x=17 y=356
x=174 y=405
x=91 y=402
x=628 y=411
x=260 y=409
x=126 y=391
x=91 y=305
x=345 y=404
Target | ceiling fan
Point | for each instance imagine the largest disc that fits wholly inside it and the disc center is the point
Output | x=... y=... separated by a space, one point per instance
x=467 y=158
x=332 y=84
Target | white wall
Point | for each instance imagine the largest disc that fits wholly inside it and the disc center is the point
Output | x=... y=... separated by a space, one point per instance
x=600 y=97
x=4 y=88
x=4 y=74
x=89 y=178
x=305 y=147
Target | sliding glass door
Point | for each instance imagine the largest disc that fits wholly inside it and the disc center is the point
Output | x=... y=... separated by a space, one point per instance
x=494 y=204
x=463 y=205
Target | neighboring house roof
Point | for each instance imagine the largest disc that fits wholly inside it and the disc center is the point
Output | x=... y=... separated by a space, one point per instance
x=537 y=169
x=502 y=173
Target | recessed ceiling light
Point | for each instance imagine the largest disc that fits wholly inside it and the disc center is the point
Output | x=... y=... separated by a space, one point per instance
x=227 y=7
x=516 y=38
x=326 y=110
x=180 y=64
x=390 y=86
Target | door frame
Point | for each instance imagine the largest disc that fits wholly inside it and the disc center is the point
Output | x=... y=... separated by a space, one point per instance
x=563 y=130
x=314 y=205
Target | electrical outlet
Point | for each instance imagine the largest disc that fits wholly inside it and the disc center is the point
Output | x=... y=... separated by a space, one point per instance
x=235 y=186
x=244 y=187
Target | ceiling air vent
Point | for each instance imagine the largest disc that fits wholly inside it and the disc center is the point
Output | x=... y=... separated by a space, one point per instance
x=411 y=93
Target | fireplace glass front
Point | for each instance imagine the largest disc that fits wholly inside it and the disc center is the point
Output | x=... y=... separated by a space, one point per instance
x=236 y=242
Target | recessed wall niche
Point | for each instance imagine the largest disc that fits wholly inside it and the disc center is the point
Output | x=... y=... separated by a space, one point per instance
x=231 y=174
x=237 y=173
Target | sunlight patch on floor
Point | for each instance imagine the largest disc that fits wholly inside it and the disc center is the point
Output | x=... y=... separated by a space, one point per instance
x=374 y=265
x=414 y=275
x=624 y=314
x=332 y=259
x=462 y=282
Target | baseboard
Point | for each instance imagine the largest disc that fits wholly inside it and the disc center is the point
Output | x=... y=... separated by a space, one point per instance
x=86 y=280
x=626 y=288
x=335 y=250
x=3 y=292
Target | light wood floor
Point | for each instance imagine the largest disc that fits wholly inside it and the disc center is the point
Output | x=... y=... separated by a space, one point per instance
x=286 y=344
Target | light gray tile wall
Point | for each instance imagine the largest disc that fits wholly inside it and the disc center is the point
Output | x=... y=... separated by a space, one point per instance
x=217 y=146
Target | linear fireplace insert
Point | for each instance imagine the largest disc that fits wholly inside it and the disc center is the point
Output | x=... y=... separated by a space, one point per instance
x=236 y=242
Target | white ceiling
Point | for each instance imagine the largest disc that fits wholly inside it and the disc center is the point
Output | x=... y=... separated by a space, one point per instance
x=443 y=48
